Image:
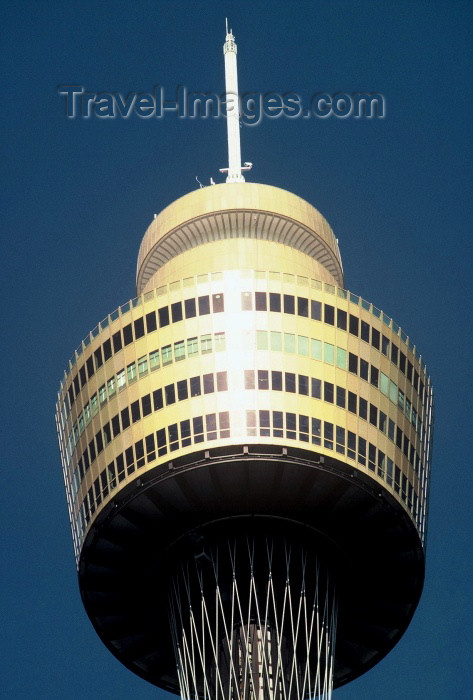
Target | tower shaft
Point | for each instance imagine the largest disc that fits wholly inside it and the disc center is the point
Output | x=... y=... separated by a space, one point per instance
x=232 y=109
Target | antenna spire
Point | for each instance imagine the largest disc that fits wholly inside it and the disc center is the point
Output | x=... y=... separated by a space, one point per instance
x=234 y=170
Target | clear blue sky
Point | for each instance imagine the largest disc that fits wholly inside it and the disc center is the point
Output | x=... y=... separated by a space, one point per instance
x=77 y=196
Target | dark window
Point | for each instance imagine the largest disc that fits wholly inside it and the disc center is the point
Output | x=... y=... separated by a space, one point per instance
x=316 y=431
x=363 y=408
x=146 y=405
x=90 y=367
x=329 y=314
x=189 y=308
x=204 y=305
x=139 y=327
x=176 y=312
x=161 y=442
x=385 y=345
x=264 y=423
x=127 y=334
x=303 y=387
x=371 y=457
x=135 y=411
x=328 y=392
x=211 y=426
x=260 y=301
x=402 y=362
x=104 y=482
x=170 y=394
x=351 y=440
x=182 y=390
x=217 y=303
x=116 y=425
x=341 y=396
x=92 y=451
x=249 y=379
x=373 y=415
x=150 y=447
x=276 y=380
x=125 y=417
x=208 y=383
x=315 y=388
x=117 y=341
x=98 y=357
x=416 y=380
x=375 y=338
x=289 y=304
x=86 y=459
x=352 y=363
x=394 y=353
x=107 y=350
x=374 y=376
x=163 y=315
x=405 y=446
x=364 y=369
x=365 y=332
x=290 y=382
x=315 y=310
x=353 y=325
x=185 y=432
x=341 y=319
x=173 y=434
x=328 y=435
x=399 y=437
x=361 y=450
x=151 y=321
x=391 y=428
x=82 y=375
x=302 y=307
x=140 y=454
x=304 y=428
x=277 y=424
x=195 y=386
x=382 y=421
x=99 y=441
x=274 y=301
x=409 y=370
x=130 y=460
x=120 y=467
x=291 y=426
x=157 y=399
x=222 y=381
x=246 y=301
x=76 y=385
x=263 y=379
x=352 y=402
x=224 y=424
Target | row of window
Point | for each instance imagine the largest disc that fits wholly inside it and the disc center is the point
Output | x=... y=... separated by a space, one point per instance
x=318 y=389
x=163 y=356
x=331 y=354
x=189 y=308
x=310 y=308
x=155 y=401
x=156 y=444
x=292 y=426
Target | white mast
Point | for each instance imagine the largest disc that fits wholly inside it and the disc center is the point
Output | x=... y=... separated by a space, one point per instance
x=234 y=170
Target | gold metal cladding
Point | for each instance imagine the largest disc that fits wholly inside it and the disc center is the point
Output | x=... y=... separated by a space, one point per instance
x=237 y=210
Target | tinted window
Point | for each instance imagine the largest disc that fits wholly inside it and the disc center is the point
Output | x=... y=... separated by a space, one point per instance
x=139 y=327
x=341 y=319
x=353 y=325
x=289 y=304
x=189 y=307
x=127 y=334
x=151 y=321
x=329 y=314
x=176 y=312
x=303 y=306
x=204 y=305
x=260 y=301
x=315 y=310
x=274 y=302
x=163 y=314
